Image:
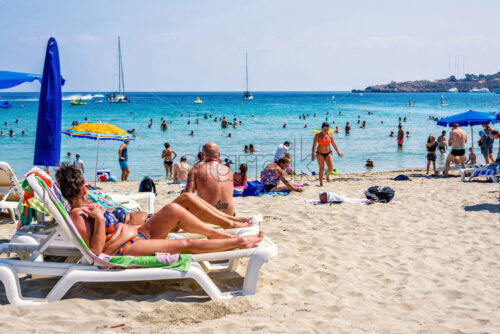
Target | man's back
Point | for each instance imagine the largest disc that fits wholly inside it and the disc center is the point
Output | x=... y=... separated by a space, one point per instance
x=458 y=137
x=214 y=183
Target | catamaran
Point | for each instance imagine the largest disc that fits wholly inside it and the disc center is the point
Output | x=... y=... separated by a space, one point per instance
x=247 y=95
x=119 y=97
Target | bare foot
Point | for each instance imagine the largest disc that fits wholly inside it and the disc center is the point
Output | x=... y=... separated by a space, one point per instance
x=241 y=224
x=251 y=241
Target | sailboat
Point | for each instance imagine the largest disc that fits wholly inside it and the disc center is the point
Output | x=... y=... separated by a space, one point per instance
x=247 y=95
x=119 y=97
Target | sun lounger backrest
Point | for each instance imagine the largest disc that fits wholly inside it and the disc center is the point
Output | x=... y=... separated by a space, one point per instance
x=54 y=203
x=51 y=196
x=8 y=180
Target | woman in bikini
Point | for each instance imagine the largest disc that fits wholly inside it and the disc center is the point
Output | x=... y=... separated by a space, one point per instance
x=181 y=170
x=114 y=232
x=323 y=152
x=168 y=160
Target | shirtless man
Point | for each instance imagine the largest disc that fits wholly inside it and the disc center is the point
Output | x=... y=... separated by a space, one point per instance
x=212 y=180
x=442 y=143
x=457 y=141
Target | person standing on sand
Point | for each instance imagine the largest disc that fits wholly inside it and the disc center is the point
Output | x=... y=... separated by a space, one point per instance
x=323 y=152
x=211 y=180
x=496 y=135
x=401 y=136
x=123 y=159
x=457 y=141
x=442 y=143
x=431 y=153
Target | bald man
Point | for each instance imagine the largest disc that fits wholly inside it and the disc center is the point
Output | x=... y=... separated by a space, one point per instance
x=211 y=180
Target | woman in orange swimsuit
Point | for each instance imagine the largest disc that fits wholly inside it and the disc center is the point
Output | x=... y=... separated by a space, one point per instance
x=323 y=152
x=114 y=232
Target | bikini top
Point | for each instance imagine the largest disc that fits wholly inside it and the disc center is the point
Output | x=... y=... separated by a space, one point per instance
x=111 y=219
x=324 y=142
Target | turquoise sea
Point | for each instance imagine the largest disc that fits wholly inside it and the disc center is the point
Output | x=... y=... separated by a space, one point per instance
x=264 y=129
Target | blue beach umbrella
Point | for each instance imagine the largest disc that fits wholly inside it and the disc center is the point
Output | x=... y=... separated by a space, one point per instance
x=10 y=79
x=48 y=130
x=468 y=118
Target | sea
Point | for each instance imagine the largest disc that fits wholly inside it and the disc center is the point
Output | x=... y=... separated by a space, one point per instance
x=262 y=124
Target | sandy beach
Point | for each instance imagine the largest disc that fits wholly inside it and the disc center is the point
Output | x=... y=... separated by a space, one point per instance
x=426 y=264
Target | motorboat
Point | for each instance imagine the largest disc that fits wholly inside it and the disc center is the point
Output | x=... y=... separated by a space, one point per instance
x=479 y=90
x=453 y=90
x=198 y=101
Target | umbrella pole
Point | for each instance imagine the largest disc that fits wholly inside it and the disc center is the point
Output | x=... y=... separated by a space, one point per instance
x=96 y=162
x=472 y=137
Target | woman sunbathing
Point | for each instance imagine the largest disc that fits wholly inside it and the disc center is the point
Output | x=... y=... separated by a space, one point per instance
x=115 y=232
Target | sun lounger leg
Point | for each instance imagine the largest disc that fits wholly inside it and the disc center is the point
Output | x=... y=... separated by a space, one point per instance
x=253 y=268
x=10 y=280
x=462 y=175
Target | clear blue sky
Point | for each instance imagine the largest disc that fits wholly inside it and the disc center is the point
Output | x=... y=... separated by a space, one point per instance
x=292 y=45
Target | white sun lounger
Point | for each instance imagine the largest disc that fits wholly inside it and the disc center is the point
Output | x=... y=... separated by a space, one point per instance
x=92 y=268
x=480 y=171
x=10 y=190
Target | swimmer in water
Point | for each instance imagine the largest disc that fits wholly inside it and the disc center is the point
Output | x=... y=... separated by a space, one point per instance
x=192 y=133
x=347 y=128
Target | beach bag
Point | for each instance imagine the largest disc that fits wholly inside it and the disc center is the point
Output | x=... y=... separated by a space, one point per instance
x=402 y=177
x=380 y=194
x=254 y=188
x=147 y=185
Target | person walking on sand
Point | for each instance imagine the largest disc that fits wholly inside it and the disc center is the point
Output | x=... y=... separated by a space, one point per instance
x=123 y=159
x=401 y=136
x=457 y=141
x=168 y=159
x=323 y=153
x=442 y=143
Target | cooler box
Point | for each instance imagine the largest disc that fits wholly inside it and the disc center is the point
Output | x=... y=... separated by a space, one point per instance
x=103 y=171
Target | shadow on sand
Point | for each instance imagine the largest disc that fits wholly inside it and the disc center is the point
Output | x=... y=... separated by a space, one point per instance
x=493 y=208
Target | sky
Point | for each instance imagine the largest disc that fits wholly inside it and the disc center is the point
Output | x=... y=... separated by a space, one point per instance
x=292 y=45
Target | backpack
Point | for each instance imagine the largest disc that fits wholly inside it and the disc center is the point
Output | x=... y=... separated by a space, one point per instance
x=147 y=185
x=380 y=194
x=254 y=188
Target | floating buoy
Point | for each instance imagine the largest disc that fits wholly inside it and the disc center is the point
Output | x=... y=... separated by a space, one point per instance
x=366 y=109
x=409 y=112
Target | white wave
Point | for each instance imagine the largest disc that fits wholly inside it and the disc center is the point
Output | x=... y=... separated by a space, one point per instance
x=83 y=97
x=23 y=99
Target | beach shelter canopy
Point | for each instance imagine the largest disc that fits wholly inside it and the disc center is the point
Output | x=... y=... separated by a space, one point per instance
x=48 y=130
x=468 y=118
x=98 y=131
x=11 y=79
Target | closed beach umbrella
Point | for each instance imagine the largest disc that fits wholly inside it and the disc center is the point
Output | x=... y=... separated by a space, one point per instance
x=468 y=118
x=48 y=130
x=98 y=131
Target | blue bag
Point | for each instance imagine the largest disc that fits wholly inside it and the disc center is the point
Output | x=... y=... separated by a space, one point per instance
x=254 y=188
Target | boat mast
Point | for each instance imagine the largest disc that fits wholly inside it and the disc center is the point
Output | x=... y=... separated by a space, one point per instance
x=121 y=82
x=246 y=66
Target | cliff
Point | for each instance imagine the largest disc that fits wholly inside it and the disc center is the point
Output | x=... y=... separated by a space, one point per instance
x=470 y=81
